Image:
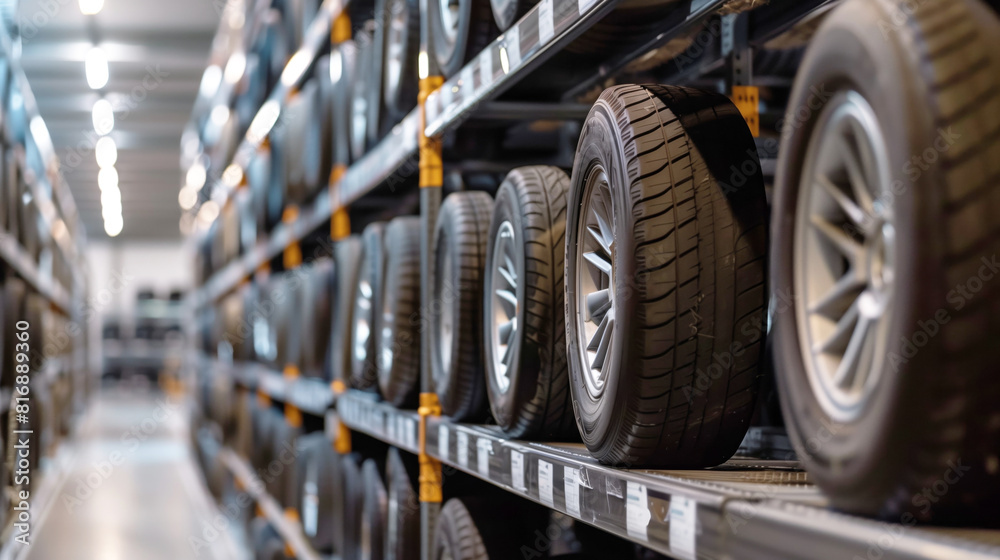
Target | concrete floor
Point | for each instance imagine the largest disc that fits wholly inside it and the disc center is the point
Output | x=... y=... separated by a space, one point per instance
x=128 y=487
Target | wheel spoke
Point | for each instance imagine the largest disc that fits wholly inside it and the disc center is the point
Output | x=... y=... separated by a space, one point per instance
x=508 y=301
x=856 y=176
x=598 y=235
x=842 y=332
x=508 y=276
x=839 y=298
x=505 y=331
x=839 y=239
x=850 y=363
x=851 y=210
x=599 y=262
x=507 y=353
x=601 y=342
x=598 y=304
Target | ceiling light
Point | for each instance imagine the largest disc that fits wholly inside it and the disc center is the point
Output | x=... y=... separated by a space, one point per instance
x=97 y=68
x=220 y=114
x=106 y=152
x=107 y=178
x=196 y=176
x=187 y=197
x=111 y=198
x=91 y=7
x=235 y=67
x=114 y=226
x=210 y=81
x=104 y=117
x=111 y=211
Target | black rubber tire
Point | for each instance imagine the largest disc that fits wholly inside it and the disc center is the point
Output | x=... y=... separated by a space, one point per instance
x=364 y=79
x=242 y=441
x=923 y=425
x=371 y=539
x=307 y=157
x=348 y=508
x=281 y=468
x=14 y=295
x=506 y=12
x=367 y=323
x=262 y=428
x=460 y=238
x=343 y=68
x=398 y=339
x=273 y=46
x=689 y=275
x=258 y=175
x=402 y=530
x=267 y=542
x=316 y=359
x=347 y=255
x=320 y=476
x=537 y=403
x=484 y=529
x=399 y=87
x=476 y=28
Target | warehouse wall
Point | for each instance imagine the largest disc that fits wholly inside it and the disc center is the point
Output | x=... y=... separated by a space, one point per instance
x=118 y=270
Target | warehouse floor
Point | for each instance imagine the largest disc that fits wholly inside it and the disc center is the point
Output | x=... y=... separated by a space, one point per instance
x=129 y=489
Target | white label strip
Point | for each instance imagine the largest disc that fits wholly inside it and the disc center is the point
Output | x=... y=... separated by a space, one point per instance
x=545 y=483
x=637 y=514
x=546 y=22
x=486 y=68
x=586 y=5
x=443 y=442
x=683 y=527
x=484 y=448
x=571 y=481
x=411 y=431
x=468 y=85
x=517 y=471
x=512 y=46
x=462 y=445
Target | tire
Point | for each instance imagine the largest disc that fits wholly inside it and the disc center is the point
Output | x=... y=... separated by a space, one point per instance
x=258 y=178
x=460 y=239
x=454 y=45
x=243 y=442
x=398 y=341
x=273 y=48
x=373 y=519
x=364 y=78
x=525 y=335
x=307 y=164
x=267 y=542
x=688 y=272
x=319 y=319
x=399 y=86
x=367 y=299
x=348 y=507
x=506 y=12
x=402 y=530
x=913 y=416
x=347 y=255
x=263 y=426
x=486 y=529
x=320 y=474
x=343 y=68
x=282 y=467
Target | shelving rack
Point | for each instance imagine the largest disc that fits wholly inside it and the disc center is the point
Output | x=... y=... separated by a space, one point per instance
x=746 y=508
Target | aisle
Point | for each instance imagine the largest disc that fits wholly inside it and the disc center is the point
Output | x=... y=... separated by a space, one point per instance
x=131 y=489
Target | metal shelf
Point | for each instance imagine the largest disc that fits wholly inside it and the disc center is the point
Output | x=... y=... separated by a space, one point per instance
x=310 y=395
x=290 y=531
x=17 y=258
x=746 y=508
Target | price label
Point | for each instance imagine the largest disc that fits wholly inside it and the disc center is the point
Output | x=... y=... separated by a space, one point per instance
x=484 y=448
x=545 y=483
x=517 y=471
x=571 y=482
x=486 y=68
x=443 y=442
x=546 y=22
x=683 y=527
x=462 y=443
x=468 y=86
x=512 y=48
x=637 y=514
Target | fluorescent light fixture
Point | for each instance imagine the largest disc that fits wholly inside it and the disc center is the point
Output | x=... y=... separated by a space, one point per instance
x=264 y=121
x=104 y=117
x=106 y=152
x=296 y=67
x=210 y=81
x=96 y=64
x=111 y=198
x=220 y=114
x=112 y=211
x=208 y=212
x=107 y=178
x=91 y=7
x=114 y=226
x=235 y=67
x=196 y=176
x=187 y=197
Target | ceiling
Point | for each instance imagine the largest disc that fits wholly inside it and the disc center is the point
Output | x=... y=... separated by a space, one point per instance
x=157 y=51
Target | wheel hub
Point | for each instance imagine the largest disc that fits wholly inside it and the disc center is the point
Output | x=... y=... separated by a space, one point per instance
x=505 y=305
x=595 y=281
x=363 y=321
x=844 y=256
x=450 y=18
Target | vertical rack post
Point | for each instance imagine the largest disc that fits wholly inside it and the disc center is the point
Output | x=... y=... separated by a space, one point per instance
x=431 y=179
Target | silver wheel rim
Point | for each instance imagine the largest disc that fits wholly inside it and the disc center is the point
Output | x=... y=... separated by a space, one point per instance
x=445 y=323
x=844 y=256
x=363 y=314
x=449 y=18
x=595 y=280
x=503 y=335
x=386 y=348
